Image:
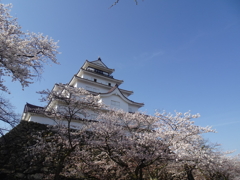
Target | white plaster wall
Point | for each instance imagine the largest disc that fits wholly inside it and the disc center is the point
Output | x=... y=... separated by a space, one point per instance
x=123 y=104
x=107 y=101
x=84 y=114
x=99 y=79
x=44 y=120
x=85 y=76
x=133 y=108
x=84 y=85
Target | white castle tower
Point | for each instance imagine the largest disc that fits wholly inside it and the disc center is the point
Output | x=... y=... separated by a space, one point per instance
x=95 y=77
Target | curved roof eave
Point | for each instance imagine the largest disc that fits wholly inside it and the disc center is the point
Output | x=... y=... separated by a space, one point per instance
x=83 y=79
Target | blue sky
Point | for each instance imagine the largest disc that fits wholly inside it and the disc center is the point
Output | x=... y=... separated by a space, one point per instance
x=175 y=55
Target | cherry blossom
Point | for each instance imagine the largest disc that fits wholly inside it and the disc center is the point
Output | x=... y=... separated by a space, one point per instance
x=22 y=54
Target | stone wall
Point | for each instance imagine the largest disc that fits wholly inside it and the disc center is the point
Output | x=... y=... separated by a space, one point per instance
x=14 y=158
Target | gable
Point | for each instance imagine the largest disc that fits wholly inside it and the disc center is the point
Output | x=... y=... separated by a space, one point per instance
x=116 y=92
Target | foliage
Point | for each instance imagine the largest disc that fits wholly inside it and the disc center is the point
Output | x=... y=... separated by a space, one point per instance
x=121 y=145
x=69 y=103
x=66 y=105
x=7 y=115
x=22 y=55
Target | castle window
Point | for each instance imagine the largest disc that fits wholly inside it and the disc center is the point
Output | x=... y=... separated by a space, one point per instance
x=109 y=84
x=95 y=80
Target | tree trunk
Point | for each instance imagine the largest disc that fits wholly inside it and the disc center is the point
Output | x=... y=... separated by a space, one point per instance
x=61 y=162
x=59 y=168
x=189 y=172
x=138 y=171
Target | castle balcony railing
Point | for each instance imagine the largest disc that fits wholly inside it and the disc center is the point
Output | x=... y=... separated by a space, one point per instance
x=99 y=72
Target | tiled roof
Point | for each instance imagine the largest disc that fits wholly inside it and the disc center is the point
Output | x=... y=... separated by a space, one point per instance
x=32 y=108
x=41 y=110
x=99 y=62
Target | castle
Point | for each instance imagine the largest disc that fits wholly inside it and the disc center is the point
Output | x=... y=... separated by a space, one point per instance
x=96 y=78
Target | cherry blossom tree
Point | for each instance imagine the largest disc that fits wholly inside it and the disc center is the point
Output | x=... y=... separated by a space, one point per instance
x=205 y=160
x=120 y=145
x=220 y=165
x=124 y=145
x=7 y=115
x=137 y=141
x=66 y=105
x=184 y=139
x=127 y=141
x=22 y=54
x=22 y=57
